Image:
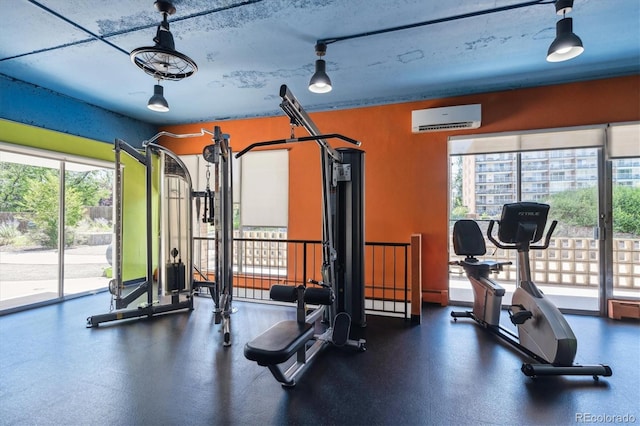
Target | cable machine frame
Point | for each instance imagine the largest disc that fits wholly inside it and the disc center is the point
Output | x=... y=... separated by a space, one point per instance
x=219 y=154
x=117 y=284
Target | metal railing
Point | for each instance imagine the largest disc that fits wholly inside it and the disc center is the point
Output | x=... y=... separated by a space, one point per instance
x=387 y=278
x=570 y=261
x=258 y=263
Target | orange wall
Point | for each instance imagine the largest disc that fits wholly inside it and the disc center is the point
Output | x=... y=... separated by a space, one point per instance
x=406 y=174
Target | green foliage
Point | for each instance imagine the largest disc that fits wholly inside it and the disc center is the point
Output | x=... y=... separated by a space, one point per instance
x=236 y=216
x=580 y=208
x=626 y=209
x=458 y=209
x=8 y=233
x=41 y=199
x=459 y=212
x=14 y=183
x=93 y=187
x=32 y=193
x=576 y=207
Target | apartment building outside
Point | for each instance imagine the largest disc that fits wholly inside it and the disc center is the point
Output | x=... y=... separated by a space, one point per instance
x=490 y=180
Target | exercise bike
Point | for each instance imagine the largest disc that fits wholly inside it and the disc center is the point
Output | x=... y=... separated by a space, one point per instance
x=542 y=331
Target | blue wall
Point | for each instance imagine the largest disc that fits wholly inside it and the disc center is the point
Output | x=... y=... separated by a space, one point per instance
x=29 y=104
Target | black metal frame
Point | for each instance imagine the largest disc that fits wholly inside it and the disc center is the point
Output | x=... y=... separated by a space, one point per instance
x=330 y=159
x=221 y=290
x=149 y=309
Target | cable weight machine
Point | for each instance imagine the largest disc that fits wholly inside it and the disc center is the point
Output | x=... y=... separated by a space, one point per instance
x=171 y=288
x=289 y=347
x=218 y=211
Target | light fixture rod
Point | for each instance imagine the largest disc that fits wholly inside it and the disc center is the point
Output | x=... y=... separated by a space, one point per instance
x=434 y=21
x=78 y=26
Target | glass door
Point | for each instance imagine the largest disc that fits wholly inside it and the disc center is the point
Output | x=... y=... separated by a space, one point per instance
x=88 y=219
x=40 y=260
x=29 y=212
x=568 y=272
x=626 y=228
x=583 y=173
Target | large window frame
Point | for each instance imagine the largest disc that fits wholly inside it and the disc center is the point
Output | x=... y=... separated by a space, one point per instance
x=611 y=141
x=62 y=160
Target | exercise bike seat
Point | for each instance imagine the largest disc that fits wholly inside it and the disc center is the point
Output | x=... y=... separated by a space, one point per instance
x=467 y=239
x=469 y=242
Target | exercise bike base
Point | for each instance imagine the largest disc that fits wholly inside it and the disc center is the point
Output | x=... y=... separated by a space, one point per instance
x=535 y=370
x=543 y=368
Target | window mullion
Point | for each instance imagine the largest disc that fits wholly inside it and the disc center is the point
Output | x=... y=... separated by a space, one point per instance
x=61 y=223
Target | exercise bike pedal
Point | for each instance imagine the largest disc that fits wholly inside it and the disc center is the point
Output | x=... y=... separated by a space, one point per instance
x=341 y=328
x=520 y=317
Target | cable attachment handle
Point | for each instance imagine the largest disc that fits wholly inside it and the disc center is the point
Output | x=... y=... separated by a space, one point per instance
x=320 y=283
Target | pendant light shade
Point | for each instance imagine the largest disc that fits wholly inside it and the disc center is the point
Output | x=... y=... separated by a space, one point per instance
x=157 y=102
x=567 y=45
x=320 y=81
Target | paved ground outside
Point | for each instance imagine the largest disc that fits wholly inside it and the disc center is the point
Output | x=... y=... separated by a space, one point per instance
x=32 y=275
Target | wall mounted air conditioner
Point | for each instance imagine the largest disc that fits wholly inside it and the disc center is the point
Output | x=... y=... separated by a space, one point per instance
x=446 y=118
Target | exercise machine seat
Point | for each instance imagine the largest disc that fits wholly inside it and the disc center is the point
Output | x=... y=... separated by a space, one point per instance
x=278 y=343
x=468 y=239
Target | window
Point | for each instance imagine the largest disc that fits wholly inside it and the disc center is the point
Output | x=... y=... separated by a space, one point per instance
x=42 y=260
x=561 y=168
x=261 y=208
x=264 y=198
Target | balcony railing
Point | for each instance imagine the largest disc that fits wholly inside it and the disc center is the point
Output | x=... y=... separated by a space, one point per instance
x=571 y=262
x=258 y=263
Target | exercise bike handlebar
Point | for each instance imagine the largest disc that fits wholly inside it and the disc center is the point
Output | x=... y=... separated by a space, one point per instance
x=505 y=246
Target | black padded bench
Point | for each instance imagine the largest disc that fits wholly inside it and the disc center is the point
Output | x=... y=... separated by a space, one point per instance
x=279 y=343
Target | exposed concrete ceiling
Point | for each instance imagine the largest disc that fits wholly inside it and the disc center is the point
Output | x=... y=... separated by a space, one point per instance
x=246 y=49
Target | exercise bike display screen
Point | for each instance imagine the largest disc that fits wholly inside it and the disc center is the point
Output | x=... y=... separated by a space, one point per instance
x=523 y=222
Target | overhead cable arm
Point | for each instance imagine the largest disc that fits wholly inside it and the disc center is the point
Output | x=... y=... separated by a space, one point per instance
x=294 y=140
x=299 y=117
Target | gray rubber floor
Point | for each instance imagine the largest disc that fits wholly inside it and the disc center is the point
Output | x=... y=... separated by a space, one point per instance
x=174 y=370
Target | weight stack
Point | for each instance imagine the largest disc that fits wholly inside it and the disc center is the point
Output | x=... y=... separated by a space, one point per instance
x=348 y=235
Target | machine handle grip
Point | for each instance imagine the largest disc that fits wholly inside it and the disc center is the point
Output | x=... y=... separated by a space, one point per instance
x=316 y=282
x=547 y=238
x=496 y=242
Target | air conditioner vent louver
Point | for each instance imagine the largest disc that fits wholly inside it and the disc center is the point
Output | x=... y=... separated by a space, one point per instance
x=446 y=118
x=447 y=126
